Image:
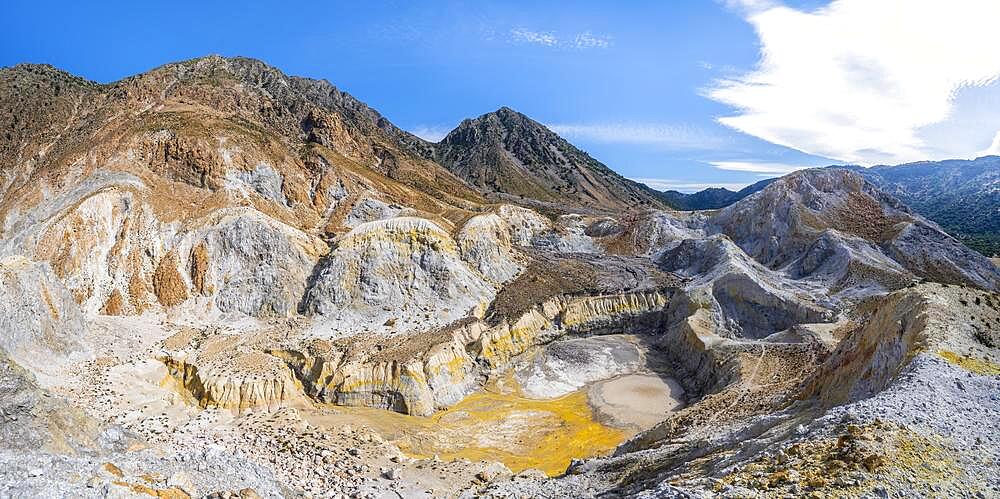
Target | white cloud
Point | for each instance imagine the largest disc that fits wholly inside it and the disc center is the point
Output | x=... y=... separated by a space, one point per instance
x=535 y=37
x=663 y=184
x=994 y=148
x=667 y=135
x=584 y=40
x=430 y=133
x=870 y=81
x=763 y=169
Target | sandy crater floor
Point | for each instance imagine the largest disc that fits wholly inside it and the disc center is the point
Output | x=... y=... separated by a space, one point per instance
x=635 y=401
x=542 y=429
x=522 y=432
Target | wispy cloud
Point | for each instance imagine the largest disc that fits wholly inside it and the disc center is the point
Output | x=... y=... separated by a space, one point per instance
x=587 y=40
x=664 y=184
x=582 y=41
x=672 y=136
x=860 y=82
x=431 y=133
x=763 y=169
x=536 y=37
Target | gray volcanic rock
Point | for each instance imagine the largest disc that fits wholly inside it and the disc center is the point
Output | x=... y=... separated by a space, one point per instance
x=922 y=250
x=253 y=265
x=39 y=321
x=848 y=266
x=390 y=268
x=507 y=153
x=31 y=419
x=777 y=226
x=487 y=243
x=748 y=299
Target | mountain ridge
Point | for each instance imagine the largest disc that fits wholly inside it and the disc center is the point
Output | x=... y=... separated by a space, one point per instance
x=712 y=198
x=963 y=196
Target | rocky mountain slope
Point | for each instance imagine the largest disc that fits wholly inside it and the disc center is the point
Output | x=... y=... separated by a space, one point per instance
x=805 y=218
x=221 y=170
x=963 y=196
x=218 y=280
x=509 y=155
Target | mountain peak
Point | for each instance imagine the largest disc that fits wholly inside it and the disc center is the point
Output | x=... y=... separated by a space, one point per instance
x=503 y=112
x=497 y=124
x=506 y=114
x=509 y=155
x=199 y=100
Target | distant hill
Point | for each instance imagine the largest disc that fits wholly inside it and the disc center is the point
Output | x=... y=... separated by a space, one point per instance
x=963 y=196
x=712 y=198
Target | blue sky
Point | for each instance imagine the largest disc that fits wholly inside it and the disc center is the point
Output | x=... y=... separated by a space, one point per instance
x=680 y=93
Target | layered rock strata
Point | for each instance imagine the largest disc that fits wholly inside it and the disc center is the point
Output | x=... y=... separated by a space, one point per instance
x=425 y=372
x=227 y=370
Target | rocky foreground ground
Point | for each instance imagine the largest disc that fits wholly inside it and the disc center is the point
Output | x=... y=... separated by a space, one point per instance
x=217 y=280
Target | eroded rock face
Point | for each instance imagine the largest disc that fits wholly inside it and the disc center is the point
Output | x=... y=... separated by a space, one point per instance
x=486 y=242
x=263 y=180
x=431 y=370
x=219 y=376
x=99 y=238
x=747 y=299
x=370 y=210
x=868 y=360
x=568 y=235
x=39 y=321
x=780 y=223
x=892 y=329
x=118 y=258
x=922 y=249
x=414 y=373
x=561 y=315
x=458 y=357
x=252 y=264
x=650 y=233
x=30 y=419
x=524 y=224
x=754 y=311
x=393 y=267
x=849 y=266
x=776 y=224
